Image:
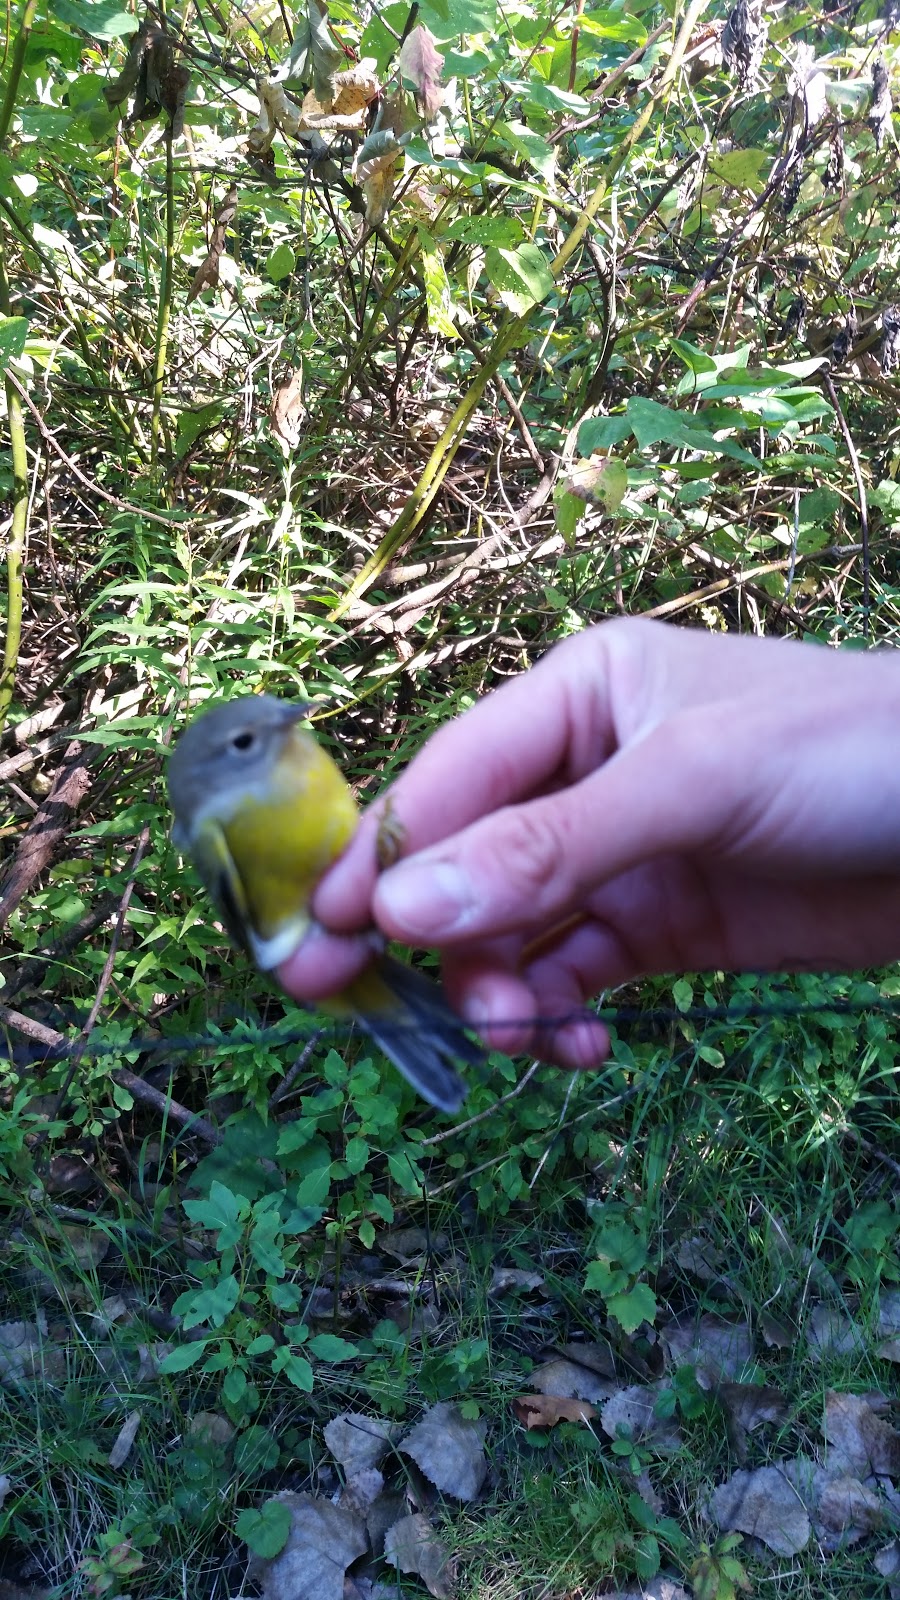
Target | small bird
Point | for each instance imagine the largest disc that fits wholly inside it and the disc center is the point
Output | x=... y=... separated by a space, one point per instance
x=264 y=811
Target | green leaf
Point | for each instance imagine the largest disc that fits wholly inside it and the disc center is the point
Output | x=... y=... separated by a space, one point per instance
x=740 y=168
x=601 y=433
x=213 y=1304
x=448 y=19
x=102 y=19
x=281 y=262
x=194 y=422
x=266 y=1530
x=485 y=230
x=521 y=277
x=295 y=1368
x=603 y=482
x=633 y=1307
x=255 y=1452
x=612 y=24
x=438 y=296
x=184 y=1356
x=265 y=1244
x=536 y=151
x=683 y=994
x=328 y=1347
x=13 y=333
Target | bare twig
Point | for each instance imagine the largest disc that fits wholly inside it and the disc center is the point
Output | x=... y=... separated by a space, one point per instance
x=46 y=830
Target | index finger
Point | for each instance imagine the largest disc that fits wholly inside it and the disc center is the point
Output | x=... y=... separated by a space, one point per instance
x=548 y=723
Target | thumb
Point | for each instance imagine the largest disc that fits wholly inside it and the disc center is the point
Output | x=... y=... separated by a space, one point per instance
x=526 y=865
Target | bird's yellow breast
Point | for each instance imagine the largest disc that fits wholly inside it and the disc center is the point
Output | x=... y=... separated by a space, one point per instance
x=283 y=837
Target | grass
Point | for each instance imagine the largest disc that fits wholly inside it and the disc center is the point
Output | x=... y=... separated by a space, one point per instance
x=745 y=1150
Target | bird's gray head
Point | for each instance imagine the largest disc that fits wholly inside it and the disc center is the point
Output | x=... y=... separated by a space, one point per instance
x=231 y=745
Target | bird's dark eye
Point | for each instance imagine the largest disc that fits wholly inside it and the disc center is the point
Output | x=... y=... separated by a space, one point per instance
x=242 y=741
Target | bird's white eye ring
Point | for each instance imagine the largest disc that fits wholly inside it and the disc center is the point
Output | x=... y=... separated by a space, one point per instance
x=243 y=741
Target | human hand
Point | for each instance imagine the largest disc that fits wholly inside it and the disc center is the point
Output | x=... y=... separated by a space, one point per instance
x=645 y=800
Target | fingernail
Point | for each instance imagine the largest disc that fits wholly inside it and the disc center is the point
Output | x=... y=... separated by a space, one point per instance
x=426 y=900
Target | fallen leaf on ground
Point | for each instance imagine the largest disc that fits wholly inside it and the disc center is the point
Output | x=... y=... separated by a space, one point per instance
x=361 y=1491
x=210 y=1427
x=505 y=1278
x=766 y=1504
x=412 y=1545
x=630 y=1412
x=716 y=1347
x=125 y=1438
x=779 y=1333
x=382 y=1514
x=700 y=1257
x=410 y=1244
x=847 y=1504
x=889 y=1325
x=657 y=1589
x=887 y=1559
x=830 y=1499
x=597 y=1357
x=751 y=1404
x=570 y=1380
x=859 y=1442
x=26 y=1352
x=450 y=1450
x=357 y=1441
x=323 y=1541
x=829 y=1331
x=546 y=1410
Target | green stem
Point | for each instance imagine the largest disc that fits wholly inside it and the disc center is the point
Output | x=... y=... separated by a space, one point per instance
x=165 y=303
x=441 y=458
x=15 y=68
x=15 y=545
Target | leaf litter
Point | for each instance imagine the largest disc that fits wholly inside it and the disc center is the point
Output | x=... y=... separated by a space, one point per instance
x=325 y=1537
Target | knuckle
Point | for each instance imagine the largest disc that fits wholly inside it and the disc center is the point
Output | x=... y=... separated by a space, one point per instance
x=533 y=853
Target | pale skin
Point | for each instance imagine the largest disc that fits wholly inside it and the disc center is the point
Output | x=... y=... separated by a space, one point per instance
x=645 y=800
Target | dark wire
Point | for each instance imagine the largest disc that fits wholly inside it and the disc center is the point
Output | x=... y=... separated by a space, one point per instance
x=736 y=1012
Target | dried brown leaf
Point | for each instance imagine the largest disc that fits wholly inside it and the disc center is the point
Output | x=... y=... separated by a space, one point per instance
x=765 y=1504
x=411 y=1245
x=717 y=1347
x=505 y=1278
x=125 y=84
x=887 y=1560
x=659 y=1588
x=412 y=1545
x=323 y=1541
x=376 y=167
x=210 y=1427
x=361 y=1491
x=26 y=1352
x=571 y=1380
x=596 y=1355
x=779 y=1333
x=859 y=1442
x=848 y=1506
x=546 y=1410
x=831 y=1332
x=751 y=1404
x=450 y=1450
x=125 y=1438
x=699 y=1256
x=207 y=274
x=421 y=63
x=630 y=1413
x=357 y=1441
